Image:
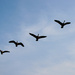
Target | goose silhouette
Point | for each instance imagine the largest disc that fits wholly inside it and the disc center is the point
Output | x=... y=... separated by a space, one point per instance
x=4 y=51
x=62 y=24
x=37 y=36
x=16 y=43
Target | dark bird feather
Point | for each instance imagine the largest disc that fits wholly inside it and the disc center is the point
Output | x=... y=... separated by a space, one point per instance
x=67 y=23
x=62 y=24
x=37 y=36
x=21 y=44
x=42 y=37
x=16 y=43
x=4 y=51
x=33 y=35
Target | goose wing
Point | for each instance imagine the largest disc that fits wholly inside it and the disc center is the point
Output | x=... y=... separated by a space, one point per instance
x=67 y=23
x=33 y=35
x=5 y=51
x=42 y=37
x=12 y=42
x=58 y=22
x=21 y=44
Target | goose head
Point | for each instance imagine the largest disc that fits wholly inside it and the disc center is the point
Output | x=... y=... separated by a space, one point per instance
x=64 y=22
x=38 y=35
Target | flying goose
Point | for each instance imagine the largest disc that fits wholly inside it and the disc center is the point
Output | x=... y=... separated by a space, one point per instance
x=37 y=36
x=16 y=43
x=62 y=24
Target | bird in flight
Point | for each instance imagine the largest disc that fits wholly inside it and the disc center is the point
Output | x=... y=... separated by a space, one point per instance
x=37 y=36
x=4 y=51
x=16 y=43
x=62 y=24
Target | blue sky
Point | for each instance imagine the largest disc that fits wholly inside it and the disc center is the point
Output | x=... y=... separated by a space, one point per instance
x=54 y=55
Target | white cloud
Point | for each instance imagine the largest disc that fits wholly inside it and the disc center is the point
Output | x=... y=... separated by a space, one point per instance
x=63 y=68
x=44 y=57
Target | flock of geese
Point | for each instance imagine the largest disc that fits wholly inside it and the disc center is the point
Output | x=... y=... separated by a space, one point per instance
x=35 y=36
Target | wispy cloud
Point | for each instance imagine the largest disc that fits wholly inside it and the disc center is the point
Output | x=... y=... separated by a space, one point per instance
x=53 y=55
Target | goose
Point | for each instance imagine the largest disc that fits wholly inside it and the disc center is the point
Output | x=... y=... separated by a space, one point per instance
x=16 y=43
x=37 y=36
x=62 y=24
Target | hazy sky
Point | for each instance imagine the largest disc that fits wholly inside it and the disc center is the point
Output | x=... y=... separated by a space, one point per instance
x=54 y=55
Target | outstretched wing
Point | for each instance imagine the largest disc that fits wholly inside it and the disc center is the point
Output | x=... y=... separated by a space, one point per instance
x=33 y=35
x=12 y=42
x=6 y=51
x=21 y=44
x=67 y=23
x=58 y=22
x=42 y=37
